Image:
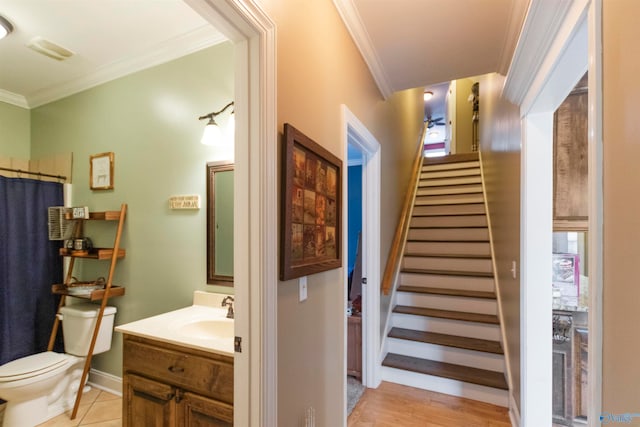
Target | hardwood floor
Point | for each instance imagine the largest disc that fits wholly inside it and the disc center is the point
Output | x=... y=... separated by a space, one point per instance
x=393 y=405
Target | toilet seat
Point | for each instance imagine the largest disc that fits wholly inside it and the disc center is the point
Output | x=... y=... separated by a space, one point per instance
x=31 y=366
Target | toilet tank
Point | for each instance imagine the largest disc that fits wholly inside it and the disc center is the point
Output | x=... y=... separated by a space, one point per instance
x=78 y=322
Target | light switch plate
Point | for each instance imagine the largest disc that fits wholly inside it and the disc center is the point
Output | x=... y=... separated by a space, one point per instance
x=302 y=288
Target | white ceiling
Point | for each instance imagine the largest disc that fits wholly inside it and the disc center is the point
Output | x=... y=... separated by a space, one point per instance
x=414 y=43
x=106 y=36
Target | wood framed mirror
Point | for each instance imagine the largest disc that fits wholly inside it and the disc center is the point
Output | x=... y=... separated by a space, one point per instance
x=220 y=197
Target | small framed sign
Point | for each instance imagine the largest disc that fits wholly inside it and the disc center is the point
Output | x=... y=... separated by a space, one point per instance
x=101 y=171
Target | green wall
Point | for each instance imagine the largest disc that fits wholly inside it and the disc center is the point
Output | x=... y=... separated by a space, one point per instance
x=150 y=121
x=14 y=132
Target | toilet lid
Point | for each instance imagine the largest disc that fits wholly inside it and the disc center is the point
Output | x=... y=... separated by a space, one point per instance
x=30 y=366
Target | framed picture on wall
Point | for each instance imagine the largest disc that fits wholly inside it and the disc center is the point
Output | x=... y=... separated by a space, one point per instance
x=101 y=171
x=311 y=235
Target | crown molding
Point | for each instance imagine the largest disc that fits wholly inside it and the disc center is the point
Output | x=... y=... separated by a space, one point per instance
x=543 y=21
x=516 y=19
x=177 y=47
x=13 y=99
x=351 y=19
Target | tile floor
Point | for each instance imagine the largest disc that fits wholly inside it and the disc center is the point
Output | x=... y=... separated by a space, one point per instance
x=97 y=409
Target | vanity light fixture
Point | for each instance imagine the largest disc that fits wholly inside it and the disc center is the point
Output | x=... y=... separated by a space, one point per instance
x=212 y=134
x=5 y=27
x=428 y=95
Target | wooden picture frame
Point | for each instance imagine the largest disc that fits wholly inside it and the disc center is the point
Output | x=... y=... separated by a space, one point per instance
x=311 y=216
x=219 y=227
x=101 y=171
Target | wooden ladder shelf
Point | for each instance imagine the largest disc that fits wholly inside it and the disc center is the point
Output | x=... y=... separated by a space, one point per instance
x=101 y=295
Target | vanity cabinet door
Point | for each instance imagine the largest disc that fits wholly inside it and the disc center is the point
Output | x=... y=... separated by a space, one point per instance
x=199 y=411
x=148 y=403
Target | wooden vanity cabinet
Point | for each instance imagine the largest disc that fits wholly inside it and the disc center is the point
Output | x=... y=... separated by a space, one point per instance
x=173 y=386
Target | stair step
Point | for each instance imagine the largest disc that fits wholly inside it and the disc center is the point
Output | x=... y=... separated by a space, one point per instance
x=487 y=331
x=437 y=255
x=466 y=264
x=447 y=370
x=453 y=199
x=466 y=343
x=451 y=158
x=458 y=209
x=483 y=284
x=469 y=234
x=447 y=291
x=440 y=182
x=447 y=314
x=447 y=272
x=427 y=247
x=449 y=173
x=449 y=189
x=458 y=221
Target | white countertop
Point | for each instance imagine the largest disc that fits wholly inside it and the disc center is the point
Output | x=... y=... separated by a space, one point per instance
x=170 y=327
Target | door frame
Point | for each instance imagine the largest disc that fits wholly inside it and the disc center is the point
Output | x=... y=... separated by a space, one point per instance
x=355 y=132
x=572 y=48
x=255 y=286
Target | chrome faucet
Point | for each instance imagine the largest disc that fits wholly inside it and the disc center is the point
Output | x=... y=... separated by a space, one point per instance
x=228 y=302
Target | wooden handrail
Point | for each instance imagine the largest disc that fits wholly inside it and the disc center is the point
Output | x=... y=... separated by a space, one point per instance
x=393 y=262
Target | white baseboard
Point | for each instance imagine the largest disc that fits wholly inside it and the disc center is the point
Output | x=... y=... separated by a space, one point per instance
x=514 y=413
x=106 y=382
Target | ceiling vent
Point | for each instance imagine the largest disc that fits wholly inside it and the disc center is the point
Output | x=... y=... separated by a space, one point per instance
x=49 y=49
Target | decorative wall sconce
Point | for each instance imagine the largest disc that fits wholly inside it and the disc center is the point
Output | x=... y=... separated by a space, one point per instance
x=5 y=27
x=212 y=134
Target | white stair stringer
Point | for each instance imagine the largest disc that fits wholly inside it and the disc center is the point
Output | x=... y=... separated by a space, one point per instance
x=447 y=386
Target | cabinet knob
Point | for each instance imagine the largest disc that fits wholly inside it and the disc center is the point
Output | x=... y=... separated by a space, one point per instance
x=176 y=369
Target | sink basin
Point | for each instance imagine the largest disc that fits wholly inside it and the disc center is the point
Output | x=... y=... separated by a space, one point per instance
x=207 y=329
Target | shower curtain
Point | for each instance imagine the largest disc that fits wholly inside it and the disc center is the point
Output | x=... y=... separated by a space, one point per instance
x=29 y=265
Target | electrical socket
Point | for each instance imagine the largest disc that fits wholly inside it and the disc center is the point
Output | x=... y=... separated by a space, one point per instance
x=302 y=288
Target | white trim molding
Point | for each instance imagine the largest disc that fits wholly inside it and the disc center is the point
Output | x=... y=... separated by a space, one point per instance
x=13 y=99
x=354 y=132
x=544 y=19
x=256 y=226
x=351 y=18
x=105 y=381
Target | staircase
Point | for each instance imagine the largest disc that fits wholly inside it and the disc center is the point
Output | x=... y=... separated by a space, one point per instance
x=445 y=333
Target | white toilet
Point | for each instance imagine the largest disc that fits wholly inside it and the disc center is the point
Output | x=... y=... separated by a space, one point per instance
x=44 y=385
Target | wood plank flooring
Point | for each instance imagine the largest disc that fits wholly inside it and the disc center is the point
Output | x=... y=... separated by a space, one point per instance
x=394 y=405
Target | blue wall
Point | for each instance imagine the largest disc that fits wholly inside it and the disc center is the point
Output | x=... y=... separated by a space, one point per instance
x=354 y=176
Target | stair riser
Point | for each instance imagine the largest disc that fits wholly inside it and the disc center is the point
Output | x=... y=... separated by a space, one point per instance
x=446 y=326
x=450 y=173
x=455 y=199
x=449 y=221
x=450 y=166
x=450 y=264
x=458 y=189
x=436 y=182
x=446 y=386
x=452 y=248
x=448 y=282
x=449 y=234
x=444 y=302
x=439 y=353
x=465 y=209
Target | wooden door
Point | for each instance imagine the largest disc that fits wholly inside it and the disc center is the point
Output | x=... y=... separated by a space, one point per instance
x=148 y=403
x=199 y=411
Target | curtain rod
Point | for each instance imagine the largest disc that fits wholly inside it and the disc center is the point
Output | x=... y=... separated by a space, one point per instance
x=40 y=174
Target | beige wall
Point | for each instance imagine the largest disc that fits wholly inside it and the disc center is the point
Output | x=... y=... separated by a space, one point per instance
x=500 y=147
x=15 y=137
x=464 y=115
x=621 y=317
x=319 y=68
